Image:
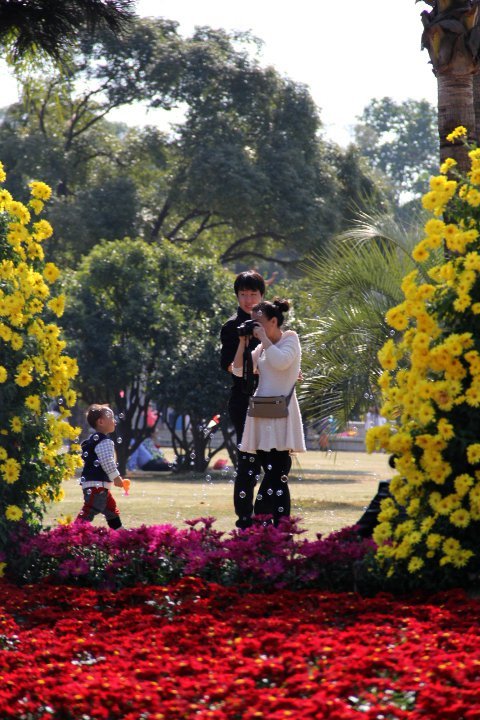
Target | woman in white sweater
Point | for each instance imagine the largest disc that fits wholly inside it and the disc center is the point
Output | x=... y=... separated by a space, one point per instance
x=277 y=361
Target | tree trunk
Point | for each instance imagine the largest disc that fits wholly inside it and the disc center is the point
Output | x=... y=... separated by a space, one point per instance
x=476 y=105
x=455 y=107
x=451 y=36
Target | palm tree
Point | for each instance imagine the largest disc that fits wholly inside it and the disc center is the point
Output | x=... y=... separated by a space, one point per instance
x=50 y=26
x=355 y=281
x=452 y=37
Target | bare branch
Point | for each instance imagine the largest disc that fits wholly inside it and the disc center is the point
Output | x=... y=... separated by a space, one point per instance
x=226 y=258
x=160 y=219
x=190 y=216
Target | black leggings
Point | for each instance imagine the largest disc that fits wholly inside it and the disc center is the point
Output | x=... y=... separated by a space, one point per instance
x=273 y=497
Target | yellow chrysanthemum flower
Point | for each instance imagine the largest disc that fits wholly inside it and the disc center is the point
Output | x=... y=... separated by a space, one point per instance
x=10 y=470
x=386 y=356
x=5 y=198
x=473 y=197
x=42 y=230
x=13 y=513
x=463 y=483
x=420 y=253
x=427 y=524
x=23 y=379
x=16 y=341
x=19 y=210
x=16 y=424
x=40 y=190
x=51 y=273
x=447 y=165
x=458 y=132
x=36 y=205
x=415 y=564
x=473 y=453
x=434 y=541
x=397 y=318
x=460 y=518
x=451 y=546
x=382 y=533
x=445 y=429
x=57 y=305
x=32 y=402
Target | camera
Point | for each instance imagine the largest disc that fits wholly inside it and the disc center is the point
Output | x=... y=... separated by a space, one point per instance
x=246 y=328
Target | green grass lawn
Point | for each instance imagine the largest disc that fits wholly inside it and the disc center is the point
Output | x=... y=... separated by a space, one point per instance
x=329 y=491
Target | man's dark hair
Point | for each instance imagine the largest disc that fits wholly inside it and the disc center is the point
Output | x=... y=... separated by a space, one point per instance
x=249 y=280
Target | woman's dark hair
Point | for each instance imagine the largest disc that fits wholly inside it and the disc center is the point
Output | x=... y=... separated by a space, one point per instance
x=276 y=308
x=249 y=280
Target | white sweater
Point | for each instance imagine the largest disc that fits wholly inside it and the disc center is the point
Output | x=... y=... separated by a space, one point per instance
x=278 y=367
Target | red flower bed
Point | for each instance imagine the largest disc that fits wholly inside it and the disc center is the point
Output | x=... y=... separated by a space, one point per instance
x=200 y=650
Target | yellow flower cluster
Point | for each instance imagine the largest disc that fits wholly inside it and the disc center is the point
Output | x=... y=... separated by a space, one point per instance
x=13 y=512
x=431 y=388
x=441 y=192
x=37 y=367
x=459 y=132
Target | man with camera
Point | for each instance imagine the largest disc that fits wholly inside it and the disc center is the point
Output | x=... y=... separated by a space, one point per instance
x=249 y=287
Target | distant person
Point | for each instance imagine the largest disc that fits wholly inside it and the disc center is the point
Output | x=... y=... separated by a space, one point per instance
x=149 y=455
x=373 y=418
x=269 y=281
x=249 y=288
x=327 y=428
x=100 y=470
x=272 y=439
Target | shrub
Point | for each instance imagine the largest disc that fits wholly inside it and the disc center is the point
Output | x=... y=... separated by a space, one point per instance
x=262 y=558
x=33 y=367
x=431 y=386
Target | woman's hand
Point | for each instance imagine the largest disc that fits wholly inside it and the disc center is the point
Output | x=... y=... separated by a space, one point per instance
x=259 y=333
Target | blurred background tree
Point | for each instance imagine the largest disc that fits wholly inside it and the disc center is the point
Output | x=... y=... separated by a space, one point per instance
x=144 y=322
x=400 y=141
x=245 y=176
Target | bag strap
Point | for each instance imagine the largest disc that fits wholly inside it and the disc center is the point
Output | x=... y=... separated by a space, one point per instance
x=248 y=378
x=289 y=396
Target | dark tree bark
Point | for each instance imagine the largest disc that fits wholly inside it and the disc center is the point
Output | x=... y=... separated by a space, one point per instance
x=452 y=37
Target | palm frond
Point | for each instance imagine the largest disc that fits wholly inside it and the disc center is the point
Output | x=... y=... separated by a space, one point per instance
x=356 y=280
x=382 y=227
x=50 y=26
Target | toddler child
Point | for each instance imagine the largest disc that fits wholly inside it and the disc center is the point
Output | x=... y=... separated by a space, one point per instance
x=100 y=469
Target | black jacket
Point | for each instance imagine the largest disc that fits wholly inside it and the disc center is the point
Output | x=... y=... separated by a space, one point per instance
x=229 y=339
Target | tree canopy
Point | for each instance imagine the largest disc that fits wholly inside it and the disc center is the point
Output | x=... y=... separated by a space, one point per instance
x=246 y=175
x=400 y=139
x=144 y=321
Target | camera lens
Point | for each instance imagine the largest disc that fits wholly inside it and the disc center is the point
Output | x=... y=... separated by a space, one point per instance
x=246 y=328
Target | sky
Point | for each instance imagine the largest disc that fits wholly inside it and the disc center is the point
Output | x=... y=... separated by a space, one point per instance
x=346 y=52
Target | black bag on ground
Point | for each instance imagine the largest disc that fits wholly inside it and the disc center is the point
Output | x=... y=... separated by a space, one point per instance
x=369 y=519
